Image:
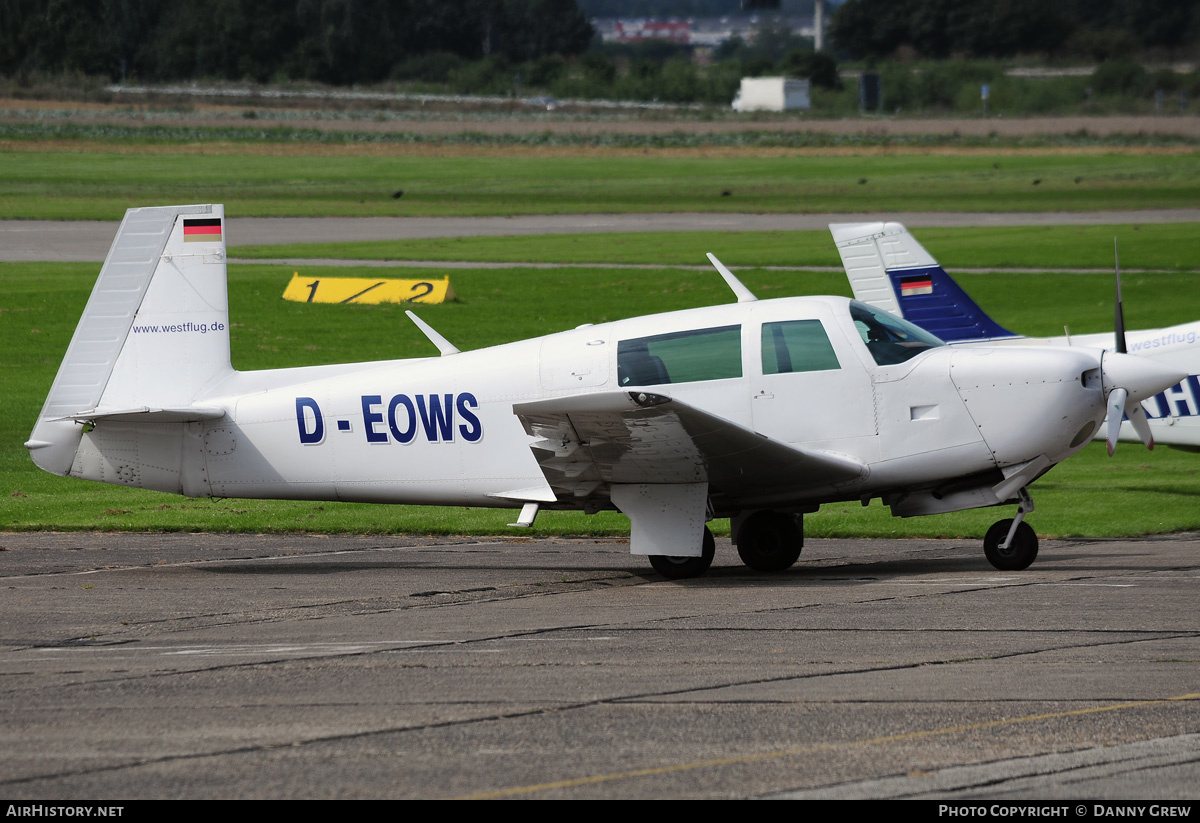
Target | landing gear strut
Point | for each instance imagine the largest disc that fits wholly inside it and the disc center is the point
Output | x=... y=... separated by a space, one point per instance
x=770 y=541
x=1011 y=545
x=678 y=568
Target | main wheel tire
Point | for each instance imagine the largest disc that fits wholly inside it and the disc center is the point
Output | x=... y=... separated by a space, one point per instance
x=770 y=541
x=1017 y=556
x=679 y=568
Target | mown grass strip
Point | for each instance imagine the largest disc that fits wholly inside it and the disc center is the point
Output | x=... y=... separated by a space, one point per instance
x=686 y=137
x=93 y=184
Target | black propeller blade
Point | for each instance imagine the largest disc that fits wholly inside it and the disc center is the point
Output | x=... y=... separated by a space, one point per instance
x=1118 y=396
x=1119 y=321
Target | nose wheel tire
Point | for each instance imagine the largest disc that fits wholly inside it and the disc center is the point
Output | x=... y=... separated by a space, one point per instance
x=679 y=568
x=1021 y=552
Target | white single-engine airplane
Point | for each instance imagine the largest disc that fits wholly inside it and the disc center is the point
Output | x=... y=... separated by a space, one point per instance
x=758 y=411
x=890 y=270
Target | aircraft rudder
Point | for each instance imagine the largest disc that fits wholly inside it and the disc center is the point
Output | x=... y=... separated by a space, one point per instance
x=178 y=339
x=889 y=269
x=862 y=259
x=935 y=301
x=154 y=332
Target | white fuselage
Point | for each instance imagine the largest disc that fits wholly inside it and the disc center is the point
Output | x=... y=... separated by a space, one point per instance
x=442 y=430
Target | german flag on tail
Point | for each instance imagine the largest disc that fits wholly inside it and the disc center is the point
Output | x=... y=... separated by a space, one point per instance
x=912 y=286
x=202 y=230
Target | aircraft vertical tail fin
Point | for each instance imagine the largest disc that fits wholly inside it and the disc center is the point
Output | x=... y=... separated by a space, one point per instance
x=890 y=270
x=154 y=334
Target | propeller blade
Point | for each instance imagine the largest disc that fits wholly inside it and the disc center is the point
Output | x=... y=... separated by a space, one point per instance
x=1116 y=411
x=1128 y=380
x=1119 y=319
x=1141 y=424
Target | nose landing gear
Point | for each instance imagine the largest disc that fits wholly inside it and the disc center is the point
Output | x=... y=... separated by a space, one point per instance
x=1012 y=545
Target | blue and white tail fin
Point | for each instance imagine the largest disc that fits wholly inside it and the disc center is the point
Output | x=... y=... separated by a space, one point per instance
x=890 y=270
x=154 y=334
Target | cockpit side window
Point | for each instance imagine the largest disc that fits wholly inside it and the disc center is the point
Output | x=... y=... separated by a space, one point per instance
x=680 y=357
x=890 y=339
x=796 y=346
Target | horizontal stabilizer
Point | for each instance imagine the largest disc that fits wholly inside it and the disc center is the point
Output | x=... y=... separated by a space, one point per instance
x=145 y=414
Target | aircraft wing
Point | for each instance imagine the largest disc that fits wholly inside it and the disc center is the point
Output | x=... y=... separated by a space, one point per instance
x=590 y=441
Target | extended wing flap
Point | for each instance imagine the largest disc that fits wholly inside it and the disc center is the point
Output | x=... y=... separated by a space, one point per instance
x=629 y=437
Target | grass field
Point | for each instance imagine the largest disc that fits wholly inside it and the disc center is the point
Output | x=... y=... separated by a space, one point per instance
x=99 y=182
x=88 y=179
x=1133 y=493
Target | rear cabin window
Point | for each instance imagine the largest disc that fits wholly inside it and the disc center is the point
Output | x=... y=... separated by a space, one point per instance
x=796 y=346
x=680 y=357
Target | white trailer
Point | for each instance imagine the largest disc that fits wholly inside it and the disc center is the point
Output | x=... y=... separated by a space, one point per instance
x=772 y=94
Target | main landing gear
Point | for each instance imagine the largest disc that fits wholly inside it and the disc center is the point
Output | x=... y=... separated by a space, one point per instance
x=770 y=541
x=678 y=568
x=1011 y=545
x=767 y=541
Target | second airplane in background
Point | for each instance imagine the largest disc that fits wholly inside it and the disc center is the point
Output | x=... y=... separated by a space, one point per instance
x=890 y=270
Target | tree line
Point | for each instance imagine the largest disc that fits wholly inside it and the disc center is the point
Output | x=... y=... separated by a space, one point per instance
x=548 y=47
x=1087 y=29
x=330 y=41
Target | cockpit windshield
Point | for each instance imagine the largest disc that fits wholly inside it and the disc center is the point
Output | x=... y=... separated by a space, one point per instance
x=890 y=339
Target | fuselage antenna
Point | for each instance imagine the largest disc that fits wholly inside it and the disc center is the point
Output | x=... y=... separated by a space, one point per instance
x=744 y=295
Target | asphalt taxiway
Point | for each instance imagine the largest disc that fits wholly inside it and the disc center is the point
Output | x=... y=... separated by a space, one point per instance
x=89 y=240
x=252 y=666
